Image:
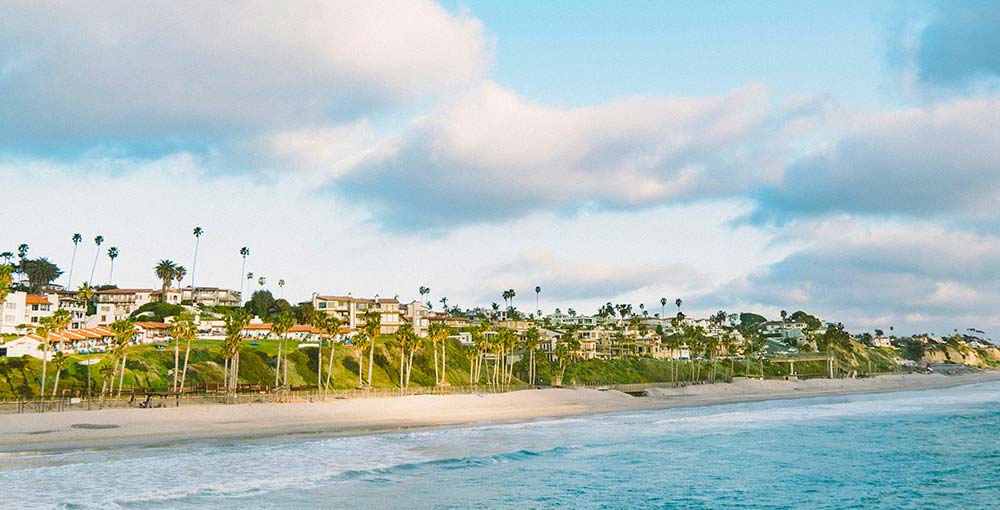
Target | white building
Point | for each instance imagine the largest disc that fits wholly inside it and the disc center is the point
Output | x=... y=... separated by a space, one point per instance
x=351 y=310
x=118 y=304
x=417 y=314
x=22 y=312
x=210 y=296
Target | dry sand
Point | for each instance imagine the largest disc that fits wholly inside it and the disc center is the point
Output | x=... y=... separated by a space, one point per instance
x=116 y=427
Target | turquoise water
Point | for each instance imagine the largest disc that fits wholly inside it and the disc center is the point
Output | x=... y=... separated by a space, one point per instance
x=932 y=449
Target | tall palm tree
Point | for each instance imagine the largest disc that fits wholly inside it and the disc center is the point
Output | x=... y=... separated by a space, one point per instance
x=166 y=271
x=281 y=287
x=6 y=256
x=320 y=321
x=86 y=293
x=235 y=320
x=279 y=327
x=112 y=254
x=124 y=331
x=99 y=240
x=77 y=239
x=244 y=252
x=444 y=304
x=261 y=281
x=59 y=361
x=179 y=273
x=678 y=302
x=402 y=335
x=333 y=324
x=249 y=281
x=22 y=255
x=531 y=340
x=185 y=332
x=438 y=332
x=194 y=264
x=360 y=342
x=43 y=330
x=423 y=292
x=663 y=306
x=538 y=292
x=373 y=325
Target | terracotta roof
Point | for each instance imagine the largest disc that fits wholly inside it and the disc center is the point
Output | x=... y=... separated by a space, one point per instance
x=265 y=325
x=35 y=299
x=123 y=291
x=153 y=325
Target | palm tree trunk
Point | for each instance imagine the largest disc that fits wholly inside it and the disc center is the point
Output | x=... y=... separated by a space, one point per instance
x=184 y=371
x=444 y=367
x=177 y=360
x=225 y=375
x=361 y=381
x=402 y=362
x=329 y=368
x=437 y=377
x=371 y=362
x=55 y=387
x=409 y=369
x=121 y=377
x=45 y=364
x=319 y=366
x=277 y=366
x=284 y=366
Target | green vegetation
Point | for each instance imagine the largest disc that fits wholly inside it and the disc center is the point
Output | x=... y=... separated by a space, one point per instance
x=156 y=311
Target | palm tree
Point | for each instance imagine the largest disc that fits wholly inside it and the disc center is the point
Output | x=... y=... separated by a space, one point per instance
x=99 y=240
x=538 y=291
x=124 y=331
x=361 y=342
x=22 y=254
x=6 y=280
x=236 y=320
x=77 y=239
x=281 y=287
x=663 y=306
x=179 y=273
x=373 y=324
x=531 y=340
x=244 y=252
x=59 y=361
x=333 y=324
x=424 y=291
x=261 y=281
x=444 y=304
x=86 y=293
x=438 y=332
x=280 y=326
x=319 y=321
x=166 y=271
x=112 y=254
x=6 y=256
x=678 y=302
x=185 y=332
x=43 y=329
x=402 y=338
x=249 y=281
x=194 y=264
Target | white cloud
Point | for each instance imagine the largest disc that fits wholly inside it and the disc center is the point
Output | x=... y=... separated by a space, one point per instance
x=491 y=155
x=181 y=71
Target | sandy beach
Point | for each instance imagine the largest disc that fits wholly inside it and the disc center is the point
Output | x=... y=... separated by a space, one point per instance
x=116 y=427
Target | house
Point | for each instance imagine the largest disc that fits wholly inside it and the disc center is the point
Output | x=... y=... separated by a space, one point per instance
x=149 y=332
x=23 y=312
x=170 y=296
x=26 y=345
x=72 y=341
x=882 y=341
x=416 y=314
x=118 y=304
x=351 y=310
x=210 y=296
x=448 y=320
x=256 y=329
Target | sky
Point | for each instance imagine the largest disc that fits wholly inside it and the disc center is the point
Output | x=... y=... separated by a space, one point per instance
x=834 y=157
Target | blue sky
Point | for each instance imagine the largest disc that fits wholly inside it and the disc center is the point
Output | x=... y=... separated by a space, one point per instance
x=835 y=157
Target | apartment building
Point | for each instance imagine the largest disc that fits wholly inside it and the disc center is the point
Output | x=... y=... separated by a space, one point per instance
x=22 y=311
x=210 y=296
x=351 y=310
x=118 y=304
x=416 y=314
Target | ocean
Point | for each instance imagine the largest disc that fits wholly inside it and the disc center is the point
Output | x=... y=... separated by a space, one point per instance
x=935 y=449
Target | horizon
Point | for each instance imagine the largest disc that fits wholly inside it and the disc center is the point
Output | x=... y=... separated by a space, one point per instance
x=728 y=155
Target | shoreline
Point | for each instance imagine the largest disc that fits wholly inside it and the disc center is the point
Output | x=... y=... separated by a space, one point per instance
x=75 y=430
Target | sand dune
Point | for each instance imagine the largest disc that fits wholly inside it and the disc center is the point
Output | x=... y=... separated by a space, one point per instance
x=110 y=427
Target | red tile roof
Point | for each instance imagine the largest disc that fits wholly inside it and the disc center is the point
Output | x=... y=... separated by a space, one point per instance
x=35 y=299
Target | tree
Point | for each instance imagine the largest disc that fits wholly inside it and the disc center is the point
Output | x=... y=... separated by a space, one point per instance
x=320 y=321
x=281 y=286
x=280 y=326
x=6 y=280
x=538 y=292
x=404 y=337
x=360 y=342
x=99 y=240
x=179 y=273
x=261 y=303
x=749 y=320
x=59 y=361
x=244 y=252
x=40 y=273
x=373 y=324
x=112 y=254
x=22 y=255
x=333 y=324
x=663 y=306
x=531 y=341
x=77 y=239
x=197 y=232
x=86 y=293
x=165 y=271
x=423 y=292
x=124 y=331
x=183 y=330
x=235 y=321
x=438 y=332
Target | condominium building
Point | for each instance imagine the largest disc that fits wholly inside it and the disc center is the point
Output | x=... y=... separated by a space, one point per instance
x=416 y=313
x=210 y=296
x=118 y=304
x=351 y=310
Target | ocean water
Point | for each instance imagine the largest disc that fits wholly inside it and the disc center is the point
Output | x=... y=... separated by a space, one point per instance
x=935 y=449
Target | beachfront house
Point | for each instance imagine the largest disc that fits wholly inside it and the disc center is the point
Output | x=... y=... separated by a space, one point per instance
x=351 y=310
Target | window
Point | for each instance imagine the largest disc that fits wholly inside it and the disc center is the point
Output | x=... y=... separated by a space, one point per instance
x=322 y=305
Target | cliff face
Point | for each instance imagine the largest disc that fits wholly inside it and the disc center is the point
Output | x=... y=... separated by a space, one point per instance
x=962 y=354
